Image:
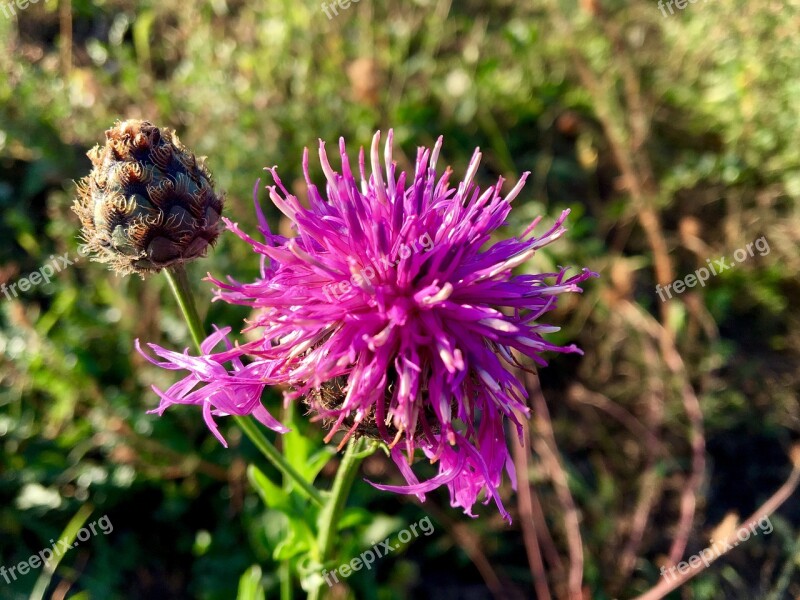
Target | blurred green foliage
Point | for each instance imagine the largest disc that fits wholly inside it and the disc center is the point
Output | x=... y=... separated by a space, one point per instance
x=618 y=111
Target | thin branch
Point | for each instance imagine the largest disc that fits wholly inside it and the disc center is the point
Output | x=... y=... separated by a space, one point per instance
x=521 y=462
x=470 y=542
x=694 y=413
x=579 y=393
x=547 y=449
x=625 y=138
x=549 y=549
x=665 y=586
x=651 y=482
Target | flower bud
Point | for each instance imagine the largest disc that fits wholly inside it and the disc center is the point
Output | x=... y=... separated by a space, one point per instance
x=148 y=202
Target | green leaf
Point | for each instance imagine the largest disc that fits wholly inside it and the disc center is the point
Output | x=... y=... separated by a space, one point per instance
x=296 y=446
x=300 y=538
x=301 y=453
x=317 y=462
x=355 y=516
x=273 y=495
x=250 y=587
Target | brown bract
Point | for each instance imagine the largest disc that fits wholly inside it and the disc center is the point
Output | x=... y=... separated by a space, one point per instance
x=148 y=202
x=331 y=395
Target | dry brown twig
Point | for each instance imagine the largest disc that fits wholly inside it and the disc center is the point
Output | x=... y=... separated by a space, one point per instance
x=694 y=413
x=547 y=449
x=526 y=514
x=470 y=542
x=650 y=487
x=775 y=501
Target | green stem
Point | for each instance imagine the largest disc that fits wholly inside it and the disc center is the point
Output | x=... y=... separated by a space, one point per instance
x=179 y=283
x=252 y=430
x=285 y=576
x=67 y=537
x=332 y=511
x=285 y=568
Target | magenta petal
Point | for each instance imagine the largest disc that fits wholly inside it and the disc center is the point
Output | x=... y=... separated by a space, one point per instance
x=395 y=288
x=420 y=488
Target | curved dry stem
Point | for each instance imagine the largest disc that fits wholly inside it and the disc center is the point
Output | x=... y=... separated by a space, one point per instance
x=665 y=586
x=691 y=405
x=524 y=494
x=547 y=449
x=470 y=542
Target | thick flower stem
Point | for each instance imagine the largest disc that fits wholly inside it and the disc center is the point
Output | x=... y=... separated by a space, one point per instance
x=332 y=511
x=285 y=576
x=179 y=283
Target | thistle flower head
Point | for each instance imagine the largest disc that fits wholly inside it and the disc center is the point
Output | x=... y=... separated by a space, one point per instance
x=148 y=202
x=394 y=315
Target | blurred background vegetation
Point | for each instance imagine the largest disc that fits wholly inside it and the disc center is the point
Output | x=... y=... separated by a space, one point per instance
x=673 y=138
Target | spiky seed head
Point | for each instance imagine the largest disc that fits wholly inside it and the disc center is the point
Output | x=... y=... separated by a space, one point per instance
x=148 y=202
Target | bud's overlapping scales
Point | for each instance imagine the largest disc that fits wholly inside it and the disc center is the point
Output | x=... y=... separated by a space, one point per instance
x=148 y=202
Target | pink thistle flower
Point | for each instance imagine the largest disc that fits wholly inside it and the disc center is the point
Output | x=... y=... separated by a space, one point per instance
x=394 y=316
